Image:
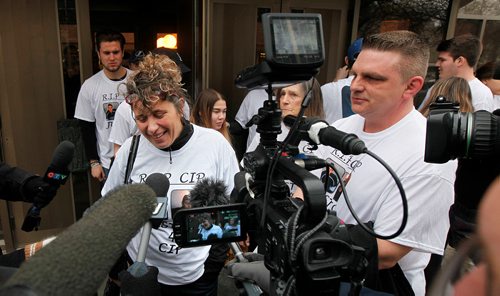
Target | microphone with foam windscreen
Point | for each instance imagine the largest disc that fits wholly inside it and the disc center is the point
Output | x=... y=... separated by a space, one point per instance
x=208 y=192
x=160 y=184
x=45 y=189
x=78 y=260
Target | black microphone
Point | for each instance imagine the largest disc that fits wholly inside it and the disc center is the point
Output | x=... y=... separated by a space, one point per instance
x=208 y=192
x=56 y=175
x=319 y=132
x=79 y=259
x=160 y=184
x=346 y=143
x=310 y=163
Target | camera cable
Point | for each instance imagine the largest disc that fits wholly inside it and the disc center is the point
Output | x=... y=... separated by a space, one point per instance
x=401 y=191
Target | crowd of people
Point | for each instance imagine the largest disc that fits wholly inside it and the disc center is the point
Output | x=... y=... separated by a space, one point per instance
x=140 y=121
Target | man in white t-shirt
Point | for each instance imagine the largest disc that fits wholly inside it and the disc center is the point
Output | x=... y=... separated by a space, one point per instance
x=98 y=100
x=336 y=94
x=458 y=57
x=388 y=73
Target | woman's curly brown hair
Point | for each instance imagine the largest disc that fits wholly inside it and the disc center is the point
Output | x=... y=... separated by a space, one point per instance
x=157 y=78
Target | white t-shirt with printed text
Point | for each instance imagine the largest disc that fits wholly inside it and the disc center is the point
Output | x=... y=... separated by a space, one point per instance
x=96 y=94
x=184 y=168
x=375 y=197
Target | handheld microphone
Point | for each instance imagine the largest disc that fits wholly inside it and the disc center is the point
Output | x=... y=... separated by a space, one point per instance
x=56 y=175
x=79 y=259
x=159 y=183
x=318 y=131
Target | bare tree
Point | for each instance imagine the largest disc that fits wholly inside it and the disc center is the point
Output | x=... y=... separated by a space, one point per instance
x=425 y=17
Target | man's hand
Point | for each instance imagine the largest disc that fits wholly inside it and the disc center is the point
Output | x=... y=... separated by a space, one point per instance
x=98 y=172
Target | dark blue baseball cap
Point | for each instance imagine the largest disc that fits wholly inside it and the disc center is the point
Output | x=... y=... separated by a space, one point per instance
x=354 y=49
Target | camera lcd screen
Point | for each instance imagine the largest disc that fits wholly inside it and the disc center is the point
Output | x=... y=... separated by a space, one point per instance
x=295 y=36
x=209 y=225
x=293 y=39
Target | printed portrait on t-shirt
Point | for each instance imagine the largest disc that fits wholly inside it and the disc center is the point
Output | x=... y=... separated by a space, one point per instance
x=333 y=188
x=110 y=110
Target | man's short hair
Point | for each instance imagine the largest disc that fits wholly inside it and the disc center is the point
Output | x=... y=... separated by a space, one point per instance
x=206 y=216
x=467 y=46
x=413 y=50
x=109 y=36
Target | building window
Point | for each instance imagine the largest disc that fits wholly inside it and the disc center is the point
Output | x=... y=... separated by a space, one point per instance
x=481 y=18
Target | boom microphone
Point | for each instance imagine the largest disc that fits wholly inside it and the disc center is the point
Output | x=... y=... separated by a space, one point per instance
x=56 y=175
x=79 y=259
x=159 y=183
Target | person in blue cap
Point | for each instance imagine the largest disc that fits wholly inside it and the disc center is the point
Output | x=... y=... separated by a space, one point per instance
x=336 y=94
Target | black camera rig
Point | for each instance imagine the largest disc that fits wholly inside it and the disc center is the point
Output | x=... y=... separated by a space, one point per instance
x=453 y=134
x=306 y=248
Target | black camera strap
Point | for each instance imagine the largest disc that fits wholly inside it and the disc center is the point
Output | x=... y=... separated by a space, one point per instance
x=131 y=158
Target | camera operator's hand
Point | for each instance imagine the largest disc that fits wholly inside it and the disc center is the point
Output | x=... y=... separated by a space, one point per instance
x=36 y=190
x=144 y=285
x=254 y=270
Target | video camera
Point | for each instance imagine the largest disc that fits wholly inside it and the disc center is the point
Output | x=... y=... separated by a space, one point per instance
x=306 y=248
x=452 y=134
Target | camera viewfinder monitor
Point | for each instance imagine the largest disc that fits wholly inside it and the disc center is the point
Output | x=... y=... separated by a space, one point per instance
x=293 y=39
x=209 y=225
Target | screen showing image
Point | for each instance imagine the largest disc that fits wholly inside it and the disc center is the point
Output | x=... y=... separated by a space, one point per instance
x=295 y=36
x=214 y=225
